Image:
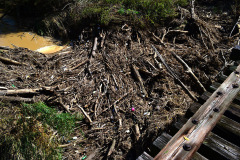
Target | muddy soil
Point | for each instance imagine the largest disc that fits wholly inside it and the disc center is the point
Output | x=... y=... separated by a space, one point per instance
x=108 y=88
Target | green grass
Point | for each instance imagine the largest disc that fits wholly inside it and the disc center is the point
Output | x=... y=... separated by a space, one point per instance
x=64 y=123
x=33 y=131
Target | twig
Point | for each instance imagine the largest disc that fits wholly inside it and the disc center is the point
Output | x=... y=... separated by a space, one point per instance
x=112 y=148
x=10 y=61
x=164 y=34
x=64 y=106
x=85 y=114
x=189 y=70
x=151 y=65
x=119 y=99
x=80 y=64
x=140 y=80
x=64 y=145
x=180 y=31
x=159 y=39
x=114 y=79
x=174 y=75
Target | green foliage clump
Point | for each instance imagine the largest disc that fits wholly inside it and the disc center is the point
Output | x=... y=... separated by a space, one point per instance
x=153 y=10
x=32 y=131
x=64 y=123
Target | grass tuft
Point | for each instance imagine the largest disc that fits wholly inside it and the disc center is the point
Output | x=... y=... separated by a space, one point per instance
x=32 y=131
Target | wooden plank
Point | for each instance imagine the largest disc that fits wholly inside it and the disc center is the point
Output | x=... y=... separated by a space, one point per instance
x=223 y=147
x=144 y=156
x=216 y=143
x=233 y=110
x=215 y=86
x=222 y=78
x=229 y=125
x=206 y=117
x=226 y=127
x=162 y=140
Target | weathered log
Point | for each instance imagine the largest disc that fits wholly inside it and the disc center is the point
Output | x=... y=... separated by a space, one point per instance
x=16 y=99
x=164 y=138
x=24 y=91
x=202 y=122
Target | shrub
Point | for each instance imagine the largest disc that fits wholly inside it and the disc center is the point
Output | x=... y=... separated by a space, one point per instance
x=29 y=131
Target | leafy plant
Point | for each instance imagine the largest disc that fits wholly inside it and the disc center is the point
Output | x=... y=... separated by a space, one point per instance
x=29 y=131
x=64 y=123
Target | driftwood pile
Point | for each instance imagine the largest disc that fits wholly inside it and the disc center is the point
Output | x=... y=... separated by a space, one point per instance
x=127 y=83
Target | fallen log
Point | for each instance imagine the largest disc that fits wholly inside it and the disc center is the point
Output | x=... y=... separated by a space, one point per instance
x=24 y=91
x=16 y=99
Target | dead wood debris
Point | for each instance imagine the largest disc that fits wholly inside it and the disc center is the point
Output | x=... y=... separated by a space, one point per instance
x=174 y=75
x=189 y=71
x=108 y=87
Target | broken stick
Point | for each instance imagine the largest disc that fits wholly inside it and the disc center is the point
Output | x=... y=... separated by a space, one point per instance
x=10 y=61
x=80 y=64
x=137 y=132
x=140 y=80
x=173 y=74
x=112 y=148
x=189 y=70
x=85 y=114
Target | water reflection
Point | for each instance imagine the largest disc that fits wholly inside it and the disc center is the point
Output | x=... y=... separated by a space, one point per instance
x=11 y=36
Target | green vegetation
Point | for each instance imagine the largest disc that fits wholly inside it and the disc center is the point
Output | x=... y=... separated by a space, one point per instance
x=59 y=17
x=33 y=131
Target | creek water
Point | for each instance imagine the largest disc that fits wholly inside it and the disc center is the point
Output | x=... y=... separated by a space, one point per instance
x=11 y=35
